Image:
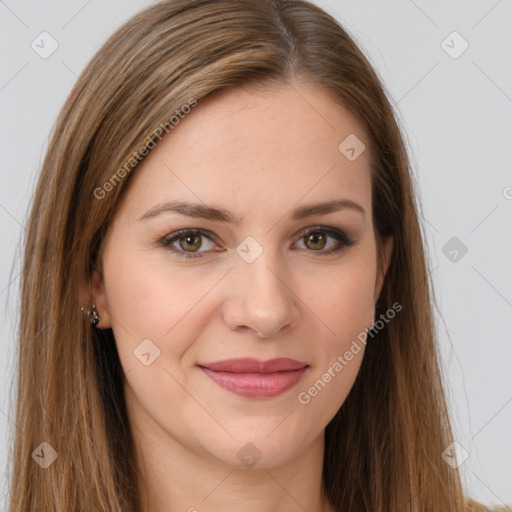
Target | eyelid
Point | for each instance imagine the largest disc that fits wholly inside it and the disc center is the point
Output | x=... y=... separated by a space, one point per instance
x=332 y=231
x=174 y=236
x=336 y=233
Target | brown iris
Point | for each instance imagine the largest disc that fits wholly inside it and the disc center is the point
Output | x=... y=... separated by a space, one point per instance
x=192 y=242
x=189 y=242
x=315 y=238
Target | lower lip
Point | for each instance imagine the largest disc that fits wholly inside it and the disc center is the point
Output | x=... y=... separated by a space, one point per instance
x=256 y=385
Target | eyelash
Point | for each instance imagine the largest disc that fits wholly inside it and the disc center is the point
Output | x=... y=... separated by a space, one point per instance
x=334 y=233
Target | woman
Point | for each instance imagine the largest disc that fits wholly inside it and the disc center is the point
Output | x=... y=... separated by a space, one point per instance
x=275 y=350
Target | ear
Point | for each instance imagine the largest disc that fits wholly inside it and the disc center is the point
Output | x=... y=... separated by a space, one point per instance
x=383 y=267
x=100 y=299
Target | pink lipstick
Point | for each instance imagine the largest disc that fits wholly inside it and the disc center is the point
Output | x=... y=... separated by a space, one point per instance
x=253 y=378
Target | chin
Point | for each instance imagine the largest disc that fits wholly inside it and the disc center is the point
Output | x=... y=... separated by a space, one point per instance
x=263 y=449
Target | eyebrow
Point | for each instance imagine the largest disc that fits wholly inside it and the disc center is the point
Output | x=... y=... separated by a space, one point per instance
x=203 y=211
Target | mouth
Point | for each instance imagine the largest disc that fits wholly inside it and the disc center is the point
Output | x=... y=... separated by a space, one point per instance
x=255 y=379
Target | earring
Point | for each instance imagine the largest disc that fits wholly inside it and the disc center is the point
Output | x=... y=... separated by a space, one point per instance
x=92 y=315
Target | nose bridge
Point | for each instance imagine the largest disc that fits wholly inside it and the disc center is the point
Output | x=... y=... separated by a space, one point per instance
x=261 y=298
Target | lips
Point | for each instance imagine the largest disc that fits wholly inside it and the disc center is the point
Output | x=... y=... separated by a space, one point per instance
x=254 y=366
x=253 y=378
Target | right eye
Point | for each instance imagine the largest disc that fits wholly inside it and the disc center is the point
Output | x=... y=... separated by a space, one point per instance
x=187 y=239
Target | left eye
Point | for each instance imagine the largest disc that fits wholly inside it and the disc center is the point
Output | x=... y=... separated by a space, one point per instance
x=190 y=242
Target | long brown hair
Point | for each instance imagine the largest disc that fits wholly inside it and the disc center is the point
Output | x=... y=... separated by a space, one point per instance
x=383 y=449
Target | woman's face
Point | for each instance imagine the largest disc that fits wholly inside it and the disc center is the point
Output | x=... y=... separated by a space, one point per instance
x=267 y=273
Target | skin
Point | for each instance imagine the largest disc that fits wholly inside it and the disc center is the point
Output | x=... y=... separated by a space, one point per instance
x=258 y=154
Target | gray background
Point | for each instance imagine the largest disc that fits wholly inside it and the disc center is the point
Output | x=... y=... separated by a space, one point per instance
x=457 y=118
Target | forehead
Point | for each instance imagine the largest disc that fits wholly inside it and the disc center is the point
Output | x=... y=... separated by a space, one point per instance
x=246 y=146
x=287 y=120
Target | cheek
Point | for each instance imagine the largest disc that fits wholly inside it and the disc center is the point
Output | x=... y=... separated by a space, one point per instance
x=343 y=307
x=149 y=300
x=321 y=396
x=343 y=299
x=154 y=310
x=339 y=353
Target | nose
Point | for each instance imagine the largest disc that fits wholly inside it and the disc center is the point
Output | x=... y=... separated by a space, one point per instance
x=261 y=298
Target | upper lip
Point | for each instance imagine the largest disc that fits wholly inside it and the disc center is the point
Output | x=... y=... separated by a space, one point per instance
x=247 y=365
